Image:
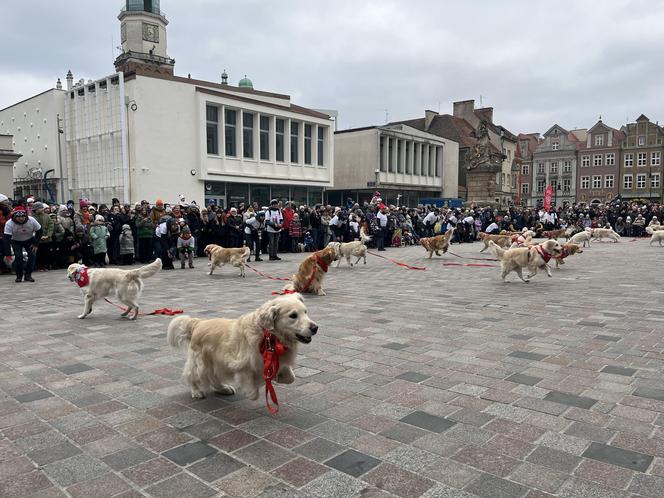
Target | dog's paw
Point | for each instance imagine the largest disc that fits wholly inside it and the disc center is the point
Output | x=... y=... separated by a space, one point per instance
x=286 y=376
x=321 y=293
x=209 y=273
x=197 y=394
x=226 y=390
x=81 y=316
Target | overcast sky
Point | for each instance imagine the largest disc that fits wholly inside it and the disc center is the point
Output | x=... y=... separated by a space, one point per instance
x=537 y=63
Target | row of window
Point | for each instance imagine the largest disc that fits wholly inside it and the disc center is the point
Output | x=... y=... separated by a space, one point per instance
x=597 y=181
x=641 y=157
x=599 y=160
x=565 y=186
x=641 y=180
x=553 y=168
x=230 y=136
x=419 y=160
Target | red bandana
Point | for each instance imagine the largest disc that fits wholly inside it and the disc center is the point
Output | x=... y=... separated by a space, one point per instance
x=271 y=349
x=81 y=276
x=545 y=255
x=321 y=263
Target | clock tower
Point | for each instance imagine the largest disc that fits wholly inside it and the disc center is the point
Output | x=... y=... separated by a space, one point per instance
x=143 y=37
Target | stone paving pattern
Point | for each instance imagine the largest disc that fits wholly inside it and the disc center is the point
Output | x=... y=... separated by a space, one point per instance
x=437 y=383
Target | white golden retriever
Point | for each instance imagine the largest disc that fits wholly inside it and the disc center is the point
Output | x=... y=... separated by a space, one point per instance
x=356 y=248
x=219 y=256
x=533 y=257
x=581 y=238
x=223 y=353
x=98 y=283
x=657 y=235
x=598 y=233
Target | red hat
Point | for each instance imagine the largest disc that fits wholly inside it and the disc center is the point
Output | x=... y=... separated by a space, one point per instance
x=83 y=203
x=19 y=209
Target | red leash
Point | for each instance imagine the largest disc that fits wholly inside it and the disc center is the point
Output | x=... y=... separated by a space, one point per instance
x=161 y=311
x=468 y=257
x=271 y=349
x=265 y=275
x=399 y=263
x=470 y=264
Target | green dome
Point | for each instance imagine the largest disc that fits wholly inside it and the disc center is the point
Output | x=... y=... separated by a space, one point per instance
x=245 y=83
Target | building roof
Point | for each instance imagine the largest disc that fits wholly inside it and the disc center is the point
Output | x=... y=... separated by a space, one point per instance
x=32 y=97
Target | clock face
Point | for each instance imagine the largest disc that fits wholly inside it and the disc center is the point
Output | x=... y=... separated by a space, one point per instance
x=150 y=32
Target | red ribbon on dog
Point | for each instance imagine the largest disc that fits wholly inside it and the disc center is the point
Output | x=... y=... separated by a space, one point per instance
x=265 y=275
x=271 y=349
x=398 y=263
x=81 y=276
x=469 y=264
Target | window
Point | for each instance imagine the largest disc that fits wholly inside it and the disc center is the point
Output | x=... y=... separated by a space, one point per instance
x=555 y=145
x=524 y=188
x=513 y=183
x=608 y=181
x=599 y=139
x=641 y=159
x=279 y=126
x=212 y=125
x=540 y=168
x=321 y=146
x=585 y=161
x=654 y=180
x=627 y=181
x=307 y=144
x=597 y=181
x=641 y=180
x=509 y=155
x=597 y=160
x=567 y=166
x=642 y=140
x=655 y=158
x=248 y=135
x=525 y=169
x=540 y=186
x=629 y=160
x=567 y=184
x=554 y=167
x=502 y=184
x=610 y=159
x=229 y=132
x=265 y=138
x=585 y=182
x=294 y=140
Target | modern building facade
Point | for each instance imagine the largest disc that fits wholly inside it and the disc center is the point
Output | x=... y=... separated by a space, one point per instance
x=404 y=163
x=555 y=162
x=641 y=160
x=7 y=159
x=598 y=164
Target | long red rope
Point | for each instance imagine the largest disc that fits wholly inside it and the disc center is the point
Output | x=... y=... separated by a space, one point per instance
x=468 y=257
x=265 y=275
x=271 y=349
x=396 y=262
x=160 y=311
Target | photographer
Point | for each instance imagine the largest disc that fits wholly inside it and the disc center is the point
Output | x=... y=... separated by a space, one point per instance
x=274 y=221
x=253 y=233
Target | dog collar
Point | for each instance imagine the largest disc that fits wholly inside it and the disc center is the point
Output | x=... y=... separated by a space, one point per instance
x=271 y=349
x=81 y=276
x=323 y=265
x=545 y=255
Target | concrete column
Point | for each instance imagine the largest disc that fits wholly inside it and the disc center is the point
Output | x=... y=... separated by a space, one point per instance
x=394 y=153
x=314 y=144
x=272 y=139
x=417 y=158
x=439 y=162
x=404 y=158
x=425 y=160
x=386 y=152
x=287 y=133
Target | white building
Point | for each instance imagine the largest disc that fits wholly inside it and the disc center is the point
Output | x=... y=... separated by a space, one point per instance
x=34 y=123
x=398 y=160
x=143 y=133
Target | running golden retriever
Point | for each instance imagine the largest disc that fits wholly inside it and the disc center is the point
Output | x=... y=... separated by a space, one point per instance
x=310 y=274
x=568 y=250
x=503 y=240
x=224 y=354
x=533 y=257
x=437 y=243
x=219 y=256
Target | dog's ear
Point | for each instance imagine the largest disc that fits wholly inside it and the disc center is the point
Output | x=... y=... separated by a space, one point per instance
x=266 y=315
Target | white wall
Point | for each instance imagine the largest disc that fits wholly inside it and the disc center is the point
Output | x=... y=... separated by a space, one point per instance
x=33 y=122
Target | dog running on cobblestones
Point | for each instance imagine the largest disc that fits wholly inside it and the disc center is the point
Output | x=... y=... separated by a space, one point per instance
x=533 y=257
x=223 y=353
x=437 y=243
x=98 y=283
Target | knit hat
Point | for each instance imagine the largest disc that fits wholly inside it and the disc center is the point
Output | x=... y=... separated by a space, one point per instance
x=126 y=227
x=99 y=219
x=629 y=218
x=19 y=209
x=83 y=203
x=185 y=230
x=159 y=202
x=3 y=198
x=38 y=205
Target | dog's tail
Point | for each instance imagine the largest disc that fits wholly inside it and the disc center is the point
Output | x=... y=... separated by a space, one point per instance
x=180 y=330
x=649 y=230
x=364 y=237
x=145 y=271
x=500 y=252
x=246 y=253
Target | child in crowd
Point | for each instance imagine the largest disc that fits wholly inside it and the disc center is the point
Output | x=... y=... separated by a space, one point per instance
x=309 y=243
x=99 y=235
x=126 y=246
x=295 y=231
x=186 y=247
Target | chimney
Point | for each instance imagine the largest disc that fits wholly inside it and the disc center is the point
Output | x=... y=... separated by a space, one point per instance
x=70 y=80
x=486 y=113
x=58 y=84
x=463 y=109
x=428 y=118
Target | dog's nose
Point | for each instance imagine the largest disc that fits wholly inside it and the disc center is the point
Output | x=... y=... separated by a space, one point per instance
x=314 y=328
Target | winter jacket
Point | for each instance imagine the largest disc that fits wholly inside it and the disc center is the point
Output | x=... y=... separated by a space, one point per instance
x=126 y=242
x=47 y=225
x=144 y=226
x=295 y=229
x=98 y=236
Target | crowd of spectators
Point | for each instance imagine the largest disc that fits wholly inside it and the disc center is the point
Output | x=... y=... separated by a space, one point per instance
x=121 y=234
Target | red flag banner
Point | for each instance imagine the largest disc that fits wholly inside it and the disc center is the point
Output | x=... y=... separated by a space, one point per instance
x=548 y=195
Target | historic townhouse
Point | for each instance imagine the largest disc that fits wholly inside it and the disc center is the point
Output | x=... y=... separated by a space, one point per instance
x=598 y=166
x=641 y=160
x=555 y=161
x=527 y=145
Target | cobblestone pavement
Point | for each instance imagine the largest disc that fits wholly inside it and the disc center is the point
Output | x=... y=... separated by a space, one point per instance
x=437 y=383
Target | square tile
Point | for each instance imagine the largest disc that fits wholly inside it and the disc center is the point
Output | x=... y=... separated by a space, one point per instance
x=554 y=459
x=33 y=396
x=488 y=486
x=188 y=453
x=215 y=467
x=404 y=433
x=54 y=453
x=75 y=469
x=353 y=463
x=570 y=399
x=264 y=455
x=429 y=422
x=150 y=472
x=395 y=346
x=74 y=368
x=127 y=458
x=617 y=456
x=300 y=471
x=527 y=356
x=527 y=380
x=611 y=369
x=398 y=481
x=646 y=392
x=413 y=377
x=179 y=486
x=319 y=449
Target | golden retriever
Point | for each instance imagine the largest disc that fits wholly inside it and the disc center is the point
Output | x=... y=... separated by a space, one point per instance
x=581 y=238
x=533 y=258
x=657 y=235
x=501 y=240
x=598 y=233
x=555 y=234
x=98 y=283
x=224 y=354
x=355 y=248
x=568 y=250
x=437 y=243
x=310 y=274
x=219 y=256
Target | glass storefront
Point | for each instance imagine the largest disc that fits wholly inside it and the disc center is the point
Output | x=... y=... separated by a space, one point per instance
x=299 y=195
x=235 y=193
x=260 y=194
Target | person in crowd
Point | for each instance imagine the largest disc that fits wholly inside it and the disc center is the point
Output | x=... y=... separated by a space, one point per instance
x=44 y=253
x=186 y=246
x=295 y=232
x=235 y=228
x=144 y=234
x=253 y=233
x=381 y=229
x=274 y=221
x=5 y=216
x=99 y=235
x=21 y=232
x=126 y=245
